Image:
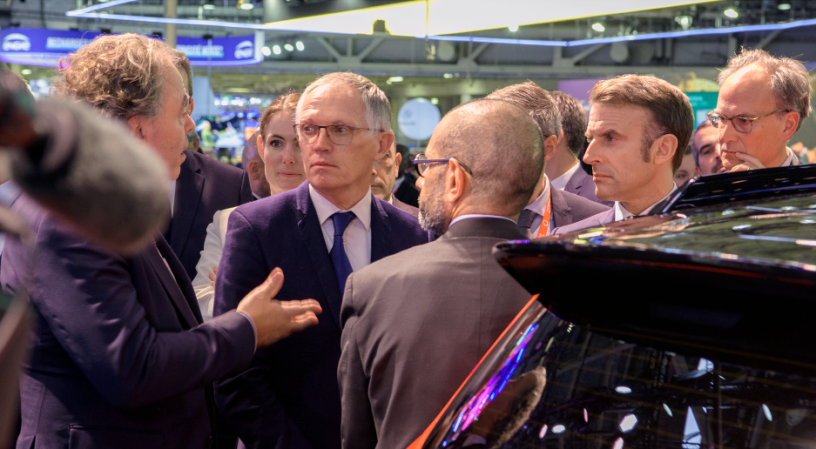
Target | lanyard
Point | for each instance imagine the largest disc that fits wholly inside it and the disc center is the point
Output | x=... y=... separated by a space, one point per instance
x=545 y=219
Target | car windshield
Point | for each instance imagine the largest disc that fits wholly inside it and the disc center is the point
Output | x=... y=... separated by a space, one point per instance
x=550 y=383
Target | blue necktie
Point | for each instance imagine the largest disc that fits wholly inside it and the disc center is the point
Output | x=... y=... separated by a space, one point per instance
x=342 y=266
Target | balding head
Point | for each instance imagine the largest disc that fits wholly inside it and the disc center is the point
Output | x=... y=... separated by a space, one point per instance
x=502 y=148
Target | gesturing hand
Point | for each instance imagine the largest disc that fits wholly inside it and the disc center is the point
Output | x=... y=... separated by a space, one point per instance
x=748 y=163
x=276 y=320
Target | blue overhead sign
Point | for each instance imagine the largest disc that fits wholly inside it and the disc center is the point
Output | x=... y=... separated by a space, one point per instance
x=44 y=47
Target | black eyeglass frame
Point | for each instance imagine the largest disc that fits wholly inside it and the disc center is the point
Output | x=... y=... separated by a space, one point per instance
x=419 y=160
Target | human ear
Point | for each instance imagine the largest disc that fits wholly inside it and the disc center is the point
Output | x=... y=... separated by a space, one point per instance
x=259 y=144
x=791 y=123
x=385 y=140
x=549 y=147
x=663 y=149
x=136 y=124
x=455 y=182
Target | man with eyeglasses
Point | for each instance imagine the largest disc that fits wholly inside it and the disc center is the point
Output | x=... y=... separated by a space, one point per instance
x=317 y=234
x=762 y=102
x=481 y=166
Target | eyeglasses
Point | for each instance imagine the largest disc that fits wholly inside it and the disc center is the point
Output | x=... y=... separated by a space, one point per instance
x=338 y=134
x=422 y=162
x=741 y=124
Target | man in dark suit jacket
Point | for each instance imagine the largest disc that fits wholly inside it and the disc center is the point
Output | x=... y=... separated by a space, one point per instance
x=549 y=207
x=204 y=186
x=288 y=398
x=383 y=177
x=119 y=357
x=638 y=128
x=416 y=323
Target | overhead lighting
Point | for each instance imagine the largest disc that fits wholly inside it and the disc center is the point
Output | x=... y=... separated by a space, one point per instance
x=559 y=428
x=731 y=12
x=668 y=410
x=247 y=6
x=266 y=51
x=784 y=6
x=208 y=6
x=447 y=76
x=628 y=423
x=623 y=389
x=543 y=432
x=26 y=71
x=513 y=28
x=299 y=45
x=683 y=21
x=394 y=79
x=288 y=47
x=618 y=444
x=598 y=26
x=276 y=49
x=767 y=412
x=434 y=100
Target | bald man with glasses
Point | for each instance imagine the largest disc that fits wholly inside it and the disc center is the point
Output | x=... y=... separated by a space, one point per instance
x=762 y=103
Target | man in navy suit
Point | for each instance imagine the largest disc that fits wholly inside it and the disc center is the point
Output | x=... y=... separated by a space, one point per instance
x=318 y=234
x=638 y=129
x=119 y=357
x=204 y=186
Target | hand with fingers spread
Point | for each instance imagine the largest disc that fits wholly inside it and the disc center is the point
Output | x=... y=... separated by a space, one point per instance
x=276 y=320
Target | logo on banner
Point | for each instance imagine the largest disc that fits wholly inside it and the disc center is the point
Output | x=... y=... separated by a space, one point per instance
x=244 y=50
x=16 y=42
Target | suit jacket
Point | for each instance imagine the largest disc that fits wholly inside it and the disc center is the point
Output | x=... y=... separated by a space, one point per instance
x=407 y=191
x=210 y=256
x=204 y=186
x=581 y=184
x=288 y=398
x=118 y=356
x=415 y=324
x=591 y=222
x=406 y=207
x=568 y=208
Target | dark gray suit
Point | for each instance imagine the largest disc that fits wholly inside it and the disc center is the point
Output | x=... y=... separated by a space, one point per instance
x=415 y=324
x=591 y=222
x=567 y=208
x=581 y=184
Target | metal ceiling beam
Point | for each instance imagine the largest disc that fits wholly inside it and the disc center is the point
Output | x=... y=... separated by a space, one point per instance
x=768 y=39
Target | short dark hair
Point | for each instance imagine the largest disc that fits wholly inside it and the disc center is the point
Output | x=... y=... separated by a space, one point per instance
x=405 y=165
x=501 y=145
x=694 y=150
x=669 y=107
x=573 y=120
x=536 y=101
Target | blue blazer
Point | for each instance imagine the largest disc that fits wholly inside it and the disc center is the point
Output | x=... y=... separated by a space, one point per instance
x=118 y=356
x=289 y=398
x=204 y=187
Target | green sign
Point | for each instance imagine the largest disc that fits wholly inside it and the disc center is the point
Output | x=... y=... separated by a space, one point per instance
x=702 y=103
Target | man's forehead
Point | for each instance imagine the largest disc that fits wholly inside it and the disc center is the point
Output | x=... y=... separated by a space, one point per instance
x=747 y=89
x=613 y=115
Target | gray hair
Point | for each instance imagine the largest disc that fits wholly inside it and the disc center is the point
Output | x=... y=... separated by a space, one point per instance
x=377 y=106
x=789 y=79
x=537 y=102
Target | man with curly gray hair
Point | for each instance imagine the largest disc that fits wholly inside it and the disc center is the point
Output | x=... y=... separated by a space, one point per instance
x=120 y=357
x=763 y=101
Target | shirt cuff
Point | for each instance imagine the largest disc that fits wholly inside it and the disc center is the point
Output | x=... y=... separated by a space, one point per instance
x=254 y=329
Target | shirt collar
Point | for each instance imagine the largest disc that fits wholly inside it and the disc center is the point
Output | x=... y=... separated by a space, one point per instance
x=469 y=216
x=325 y=209
x=9 y=192
x=391 y=200
x=540 y=203
x=622 y=214
x=789 y=161
x=561 y=182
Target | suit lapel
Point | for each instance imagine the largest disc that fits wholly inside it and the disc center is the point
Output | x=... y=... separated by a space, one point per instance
x=312 y=236
x=562 y=212
x=379 y=230
x=189 y=188
x=171 y=286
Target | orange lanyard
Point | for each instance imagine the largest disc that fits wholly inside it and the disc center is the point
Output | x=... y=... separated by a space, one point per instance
x=545 y=219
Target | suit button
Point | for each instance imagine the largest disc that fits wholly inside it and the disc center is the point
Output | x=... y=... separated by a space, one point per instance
x=210 y=443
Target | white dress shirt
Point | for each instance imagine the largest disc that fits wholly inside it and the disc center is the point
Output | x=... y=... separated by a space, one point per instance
x=538 y=207
x=468 y=216
x=356 y=237
x=172 y=185
x=561 y=182
x=622 y=214
x=791 y=160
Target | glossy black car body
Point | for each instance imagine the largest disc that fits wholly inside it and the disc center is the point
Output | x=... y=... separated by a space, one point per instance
x=691 y=328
